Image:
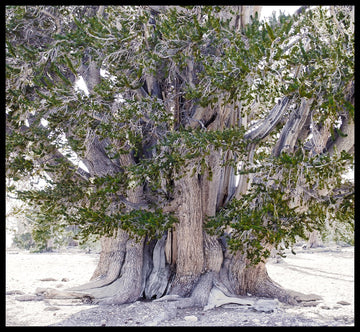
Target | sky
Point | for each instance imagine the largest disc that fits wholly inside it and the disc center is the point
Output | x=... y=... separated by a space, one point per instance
x=266 y=11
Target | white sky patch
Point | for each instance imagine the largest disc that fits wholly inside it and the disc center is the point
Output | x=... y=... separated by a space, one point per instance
x=80 y=85
x=105 y=73
x=69 y=153
x=266 y=11
x=119 y=98
x=44 y=122
x=349 y=175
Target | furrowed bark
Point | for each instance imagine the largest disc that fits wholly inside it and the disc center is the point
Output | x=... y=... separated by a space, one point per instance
x=293 y=127
x=262 y=128
x=189 y=237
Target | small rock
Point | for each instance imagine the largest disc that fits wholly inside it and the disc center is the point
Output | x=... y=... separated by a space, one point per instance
x=51 y=308
x=343 y=303
x=47 y=279
x=103 y=322
x=152 y=323
x=64 y=279
x=40 y=291
x=309 y=304
x=325 y=307
x=266 y=305
x=86 y=300
x=191 y=318
x=29 y=298
x=14 y=292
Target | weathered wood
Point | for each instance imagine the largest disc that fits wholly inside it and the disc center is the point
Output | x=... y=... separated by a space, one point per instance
x=263 y=127
x=52 y=293
x=217 y=298
x=293 y=127
x=158 y=280
x=344 y=142
x=189 y=236
x=111 y=259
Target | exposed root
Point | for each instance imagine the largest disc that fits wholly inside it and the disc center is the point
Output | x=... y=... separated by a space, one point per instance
x=217 y=298
x=93 y=284
x=269 y=288
x=255 y=280
x=305 y=300
x=207 y=290
x=51 y=293
x=206 y=295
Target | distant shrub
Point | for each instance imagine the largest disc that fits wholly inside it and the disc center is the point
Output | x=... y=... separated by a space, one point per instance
x=24 y=241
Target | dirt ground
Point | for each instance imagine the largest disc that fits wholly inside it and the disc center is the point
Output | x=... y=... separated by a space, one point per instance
x=328 y=272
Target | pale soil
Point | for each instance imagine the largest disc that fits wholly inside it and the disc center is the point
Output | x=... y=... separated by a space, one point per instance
x=328 y=272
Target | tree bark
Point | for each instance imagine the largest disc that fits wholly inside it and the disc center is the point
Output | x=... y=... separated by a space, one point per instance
x=189 y=236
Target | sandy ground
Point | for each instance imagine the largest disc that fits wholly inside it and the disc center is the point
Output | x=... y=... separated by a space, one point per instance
x=24 y=272
x=328 y=272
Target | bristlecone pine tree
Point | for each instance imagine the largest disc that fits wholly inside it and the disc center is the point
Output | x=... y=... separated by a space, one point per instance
x=209 y=138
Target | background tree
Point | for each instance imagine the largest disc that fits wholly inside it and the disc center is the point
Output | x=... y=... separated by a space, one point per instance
x=209 y=138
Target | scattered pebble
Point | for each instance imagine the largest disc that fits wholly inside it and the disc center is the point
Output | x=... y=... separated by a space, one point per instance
x=29 y=298
x=14 y=292
x=52 y=308
x=266 y=305
x=343 y=303
x=191 y=318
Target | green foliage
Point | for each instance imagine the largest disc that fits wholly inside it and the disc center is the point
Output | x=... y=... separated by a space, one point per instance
x=272 y=212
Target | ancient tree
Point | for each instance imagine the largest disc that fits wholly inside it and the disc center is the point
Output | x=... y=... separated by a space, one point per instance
x=209 y=138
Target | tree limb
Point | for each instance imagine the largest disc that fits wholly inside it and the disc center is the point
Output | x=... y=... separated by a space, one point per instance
x=263 y=127
x=54 y=157
x=293 y=127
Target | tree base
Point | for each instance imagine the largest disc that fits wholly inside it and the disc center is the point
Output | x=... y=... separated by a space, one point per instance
x=207 y=294
x=132 y=270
